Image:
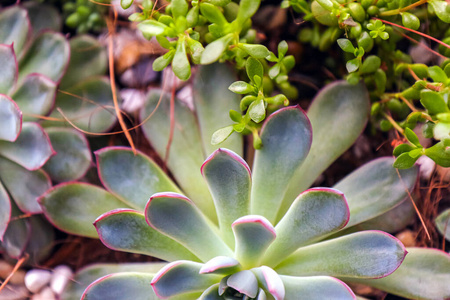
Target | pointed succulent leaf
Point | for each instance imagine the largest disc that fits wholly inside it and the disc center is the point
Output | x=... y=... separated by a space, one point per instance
x=48 y=55
x=433 y=102
x=247 y=8
x=211 y=293
x=443 y=223
x=286 y=138
x=10 y=120
x=85 y=276
x=133 y=178
x=120 y=286
x=221 y=134
x=8 y=61
x=127 y=230
x=42 y=239
x=214 y=50
x=177 y=217
x=220 y=265
x=316 y=288
x=5 y=211
x=185 y=154
x=35 y=96
x=87 y=58
x=442 y=9
x=254 y=68
x=17 y=235
x=73 y=207
x=375 y=188
x=315 y=214
x=151 y=27
x=43 y=17
x=244 y=282
x=253 y=235
x=182 y=277
x=423 y=275
x=73 y=156
x=213 y=14
x=271 y=282
x=15 y=27
x=180 y=63
x=257 y=110
x=365 y=254
x=211 y=99
x=256 y=51
x=336 y=108
x=229 y=180
x=32 y=148
x=88 y=105
x=23 y=185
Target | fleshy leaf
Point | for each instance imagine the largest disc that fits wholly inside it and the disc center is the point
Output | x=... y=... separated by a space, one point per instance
x=5 y=211
x=85 y=276
x=10 y=119
x=133 y=178
x=35 y=96
x=443 y=223
x=32 y=148
x=120 y=286
x=365 y=254
x=127 y=230
x=424 y=274
x=181 y=277
x=8 y=76
x=88 y=105
x=87 y=58
x=271 y=281
x=229 y=180
x=43 y=17
x=316 y=288
x=73 y=156
x=211 y=293
x=338 y=115
x=286 y=138
x=315 y=213
x=253 y=234
x=42 y=239
x=211 y=99
x=244 y=282
x=16 y=236
x=185 y=153
x=15 y=27
x=215 y=49
x=177 y=217
x=73 y=207
x=24 y=186
x=220 y=265
x=375 y=188
x=48 y=55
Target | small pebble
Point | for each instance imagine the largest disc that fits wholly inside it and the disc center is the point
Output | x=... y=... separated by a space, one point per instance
x=36 y=279
x=14 y=292
x=407 y=237
x=45 y=294
x=5 y=269
x=61 y=276
x=18 y=277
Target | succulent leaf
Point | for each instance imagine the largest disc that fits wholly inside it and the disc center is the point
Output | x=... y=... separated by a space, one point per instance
x=244 y=282
x=315 y=214
x=23 y=185
x=182 y=277
x=423 y=275
x=335 y=109
x=286 y=138
x=32 y=148
x=8 y=76
x=253 y=234
x=48 y=55
x=220 y=265
x=73 y=207
x=15 y=27
x=16 y=236
x=271 y=282
x=316 y=288
x=443 y=223
x=43 y=17
x=177 y=217
x=138 y=178
x=365 y=254
x=127 y=230
x=35 y=96
x=229 y=180
x=11 y=119
x=211 y=99
x=5 y=211
x=211 y=293
x=73 y=156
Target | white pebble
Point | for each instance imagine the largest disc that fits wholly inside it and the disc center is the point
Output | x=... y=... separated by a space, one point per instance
x=45 y=294
x=36 y=279
x=61 y=276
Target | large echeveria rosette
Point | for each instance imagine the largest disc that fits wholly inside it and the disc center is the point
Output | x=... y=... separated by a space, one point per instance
x=245 y=256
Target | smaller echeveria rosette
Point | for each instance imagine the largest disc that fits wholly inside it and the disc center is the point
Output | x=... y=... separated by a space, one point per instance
x=245 y=256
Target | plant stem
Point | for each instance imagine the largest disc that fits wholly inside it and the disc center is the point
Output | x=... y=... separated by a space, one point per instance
x=399 y=10
x=392 y=121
